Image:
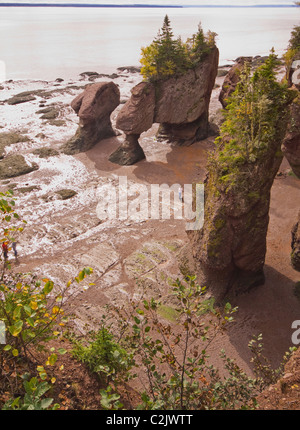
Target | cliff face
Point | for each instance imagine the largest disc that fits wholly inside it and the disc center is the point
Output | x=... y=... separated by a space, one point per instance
x=180 y=104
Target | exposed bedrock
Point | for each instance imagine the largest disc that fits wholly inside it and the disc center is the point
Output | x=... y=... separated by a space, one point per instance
x=129 y=152
x=93 y=107
x=295 y=255
x=136 y=117
x=180 y=104
x=291 y=143
x=230 y=249
x=232 y=79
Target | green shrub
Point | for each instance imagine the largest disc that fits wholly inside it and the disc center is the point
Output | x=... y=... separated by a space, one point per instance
x=34 y=398
x=103 y=354
x=166 y=57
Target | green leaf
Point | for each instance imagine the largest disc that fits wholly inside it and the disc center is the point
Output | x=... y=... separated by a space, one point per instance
x=16 y=328
x=52 y=359
x=7 y=347
x=17 y=312
x=45 y=403
x=30 y=321
x=48 y=287
x=81 y=275
x=27 y=309
x=42 y=388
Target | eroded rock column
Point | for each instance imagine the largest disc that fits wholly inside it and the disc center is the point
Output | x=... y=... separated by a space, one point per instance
x=135 y=117
x=230 y=249
x=93 y=107
x=179 y=104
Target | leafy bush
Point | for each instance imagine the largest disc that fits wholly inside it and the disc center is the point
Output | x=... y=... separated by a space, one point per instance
x=103 y=354
x=176 y=372
x=34 y=398
x=31 y=314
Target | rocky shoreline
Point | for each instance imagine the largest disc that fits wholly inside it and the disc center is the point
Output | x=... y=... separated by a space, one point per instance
x=59 y=193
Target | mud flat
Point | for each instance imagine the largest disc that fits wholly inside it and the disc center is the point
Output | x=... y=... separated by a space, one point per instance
x=58 y=198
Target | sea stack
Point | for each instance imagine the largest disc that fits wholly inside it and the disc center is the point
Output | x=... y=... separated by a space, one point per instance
x=179 y=104
x=93 y=107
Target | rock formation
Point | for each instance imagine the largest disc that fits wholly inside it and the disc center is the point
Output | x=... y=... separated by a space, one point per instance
x=293 y=71
x=291 y=143
x=232 y=79
x=136 y=117
x=180 y=104
x=295 y=256
x=230 y=249
x=94 y=107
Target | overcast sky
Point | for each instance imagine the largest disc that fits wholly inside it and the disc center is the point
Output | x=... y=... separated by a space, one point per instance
x=163 y=2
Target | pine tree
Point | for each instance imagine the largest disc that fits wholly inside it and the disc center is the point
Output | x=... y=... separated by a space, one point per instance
x=166 y=50
x=167 y=56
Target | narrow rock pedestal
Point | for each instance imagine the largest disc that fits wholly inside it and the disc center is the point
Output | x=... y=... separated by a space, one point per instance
x=130 y=151
x=93 y=107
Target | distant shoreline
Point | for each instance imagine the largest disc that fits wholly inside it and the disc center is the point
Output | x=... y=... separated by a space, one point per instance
x=82 y=5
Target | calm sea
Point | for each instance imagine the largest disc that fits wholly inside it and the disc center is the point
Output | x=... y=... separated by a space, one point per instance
x=46 y=43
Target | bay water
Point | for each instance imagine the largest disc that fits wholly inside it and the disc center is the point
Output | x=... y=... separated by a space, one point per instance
x=51 y=42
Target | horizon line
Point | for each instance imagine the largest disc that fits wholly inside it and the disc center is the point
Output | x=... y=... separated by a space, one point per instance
x=16 y=4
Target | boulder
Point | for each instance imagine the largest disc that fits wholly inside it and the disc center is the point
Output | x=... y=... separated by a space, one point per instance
x=93 y=107
x=180 y=104
x=15 y=165
x=295 y=255
x=232 y=79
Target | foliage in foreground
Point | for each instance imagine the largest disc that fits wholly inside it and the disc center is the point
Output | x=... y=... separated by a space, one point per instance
x=31 y=315
x=173 y=366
